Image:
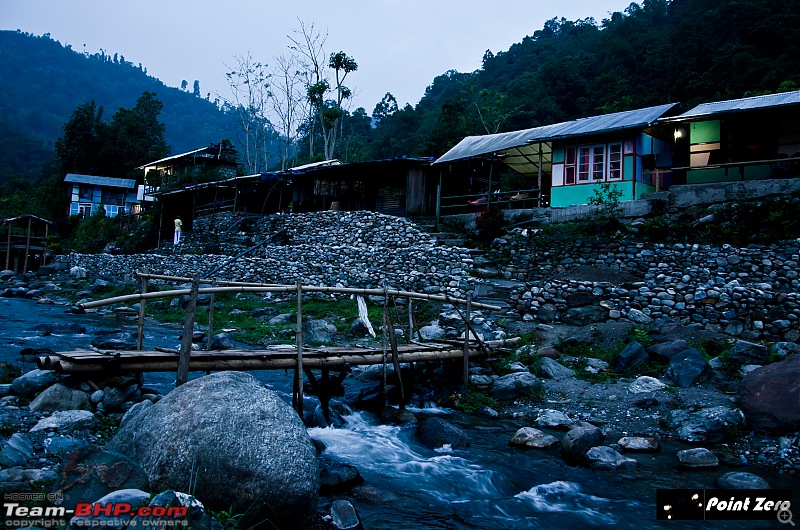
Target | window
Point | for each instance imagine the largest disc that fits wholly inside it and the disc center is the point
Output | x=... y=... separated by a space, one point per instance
x=592 y=163
x=615 y=162
x=85 y=192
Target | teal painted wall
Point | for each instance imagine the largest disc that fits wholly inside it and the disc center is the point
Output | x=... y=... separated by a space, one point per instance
x=704 y=132
x=562 y=196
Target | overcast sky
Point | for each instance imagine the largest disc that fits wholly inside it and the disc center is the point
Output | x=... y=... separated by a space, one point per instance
x=399 y=45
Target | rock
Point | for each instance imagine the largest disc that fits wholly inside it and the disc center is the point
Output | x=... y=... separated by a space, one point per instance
x=553 y=419
x=436 y=432
x=687 y=367
x=16 y=451
x=554 y=370
x=432 y=332
x=221 y=341
x=517 y=367
x=744 y=352
x=547 y=313
x=639 y=444
x=281 y=319
x=697 y=458
x=91 y=472
x=713 y=424
x=116 y=396
x=115 y=340
x=783 y=349
x=645 y=384
x=668 y=350
x=195 y=516
x=31 y=476
x=67 y=420
x=318 y=332
x=337 y=476
x=584 y=316
x=605 y=458
x=770 y=396
x=62 y=445
x=49 y=328
x=78 y=272
x=530 y=437
x=9 y=372
x=33 y=382
x=344 y=516
x=60 y=397
x=549 y=352
x=638 y=317
x=254 y=453
x=739 y=480
x=134 y=410
x=632 y=356
x=135 y=498
x=579 y=299
x=578 y=440
x=516 y=385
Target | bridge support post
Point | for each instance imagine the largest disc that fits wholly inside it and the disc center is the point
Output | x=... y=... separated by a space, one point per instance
x=467 y=333
x=188 y=330
x=140 y=339
x=387 y=320
x=297 y=398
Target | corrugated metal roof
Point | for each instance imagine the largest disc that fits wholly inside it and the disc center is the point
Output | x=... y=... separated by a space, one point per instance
x=26 y=216
x=739 y=105
x=100 y=181
x=492 y=143
x=174 y=157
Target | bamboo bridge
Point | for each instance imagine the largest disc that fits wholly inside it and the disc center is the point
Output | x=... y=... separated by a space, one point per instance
x=301 y=358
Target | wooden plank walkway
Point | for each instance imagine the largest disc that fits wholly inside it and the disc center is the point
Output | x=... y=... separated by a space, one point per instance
x=273 y=358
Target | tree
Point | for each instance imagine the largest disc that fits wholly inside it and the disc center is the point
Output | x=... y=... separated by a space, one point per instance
x=196 y=88
x=287 y=102
x=327 y=112
x=85 y=134
x=249 y=81
x=184 y=85
x=137 y=137
x=385 y=107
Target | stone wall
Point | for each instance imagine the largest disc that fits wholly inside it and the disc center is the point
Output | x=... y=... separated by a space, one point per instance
x=752 y=292
x=350 y=249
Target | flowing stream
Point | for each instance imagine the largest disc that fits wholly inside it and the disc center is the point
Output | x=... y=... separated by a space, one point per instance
x=490 y=485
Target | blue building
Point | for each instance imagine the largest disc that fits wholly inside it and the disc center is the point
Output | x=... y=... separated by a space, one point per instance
x=89 y=192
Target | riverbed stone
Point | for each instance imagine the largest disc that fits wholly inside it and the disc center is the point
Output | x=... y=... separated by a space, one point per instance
x=645 y=385
x=668 y=350
x=432 y=332
x=33 y=382
x=66 y=420
x=697 y=458
x=632 y=356
x=534 y=438
x=17 y=450
x=584 y=316
x=553 y=419
x=61 y=397
x=578 y=440
x=133 y=497
x=770 y=396
x=554 y=370
x=436 y=432
x=318 y=332
x=744 y=352
x=605 y=458
x=344 y=516
x=115 y=340
x=712 y=424
x=687 y=367
x=335 y=475
x=741 y=480
x=255 y=453
x=639 y=444
x=90 y=472
x=516 y=385
x=62 y=445
x=134 y=410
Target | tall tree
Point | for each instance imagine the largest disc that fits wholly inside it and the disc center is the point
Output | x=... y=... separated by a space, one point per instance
x=287 y=104
x=78 y=150
x=137 y=137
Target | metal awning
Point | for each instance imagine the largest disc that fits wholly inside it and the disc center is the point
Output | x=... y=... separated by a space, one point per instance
x=520 y=149
x=766 y=101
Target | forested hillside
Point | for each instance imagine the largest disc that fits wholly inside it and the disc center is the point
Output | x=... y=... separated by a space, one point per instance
x=42 y=82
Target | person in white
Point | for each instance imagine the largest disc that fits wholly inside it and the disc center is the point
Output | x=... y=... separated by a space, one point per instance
x=178 y=228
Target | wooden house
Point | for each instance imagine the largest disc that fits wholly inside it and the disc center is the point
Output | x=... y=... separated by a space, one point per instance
x=566 y=162
x=739 y=139
x=206 y=164
x=24 y=242
x=89 y=192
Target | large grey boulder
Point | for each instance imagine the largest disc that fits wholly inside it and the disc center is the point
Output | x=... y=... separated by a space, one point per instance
x=530 y=437
x=436 y=432
x=61 y=397
x=687 y=367
x=240 y=445
x=318 y=332
x=66 y=420
x=605 y=458
x=578 y=441
x=33 y=382
x=712 y=424
x=770 y=396
x=740 y=480
x=516 y=385
x=554 y=370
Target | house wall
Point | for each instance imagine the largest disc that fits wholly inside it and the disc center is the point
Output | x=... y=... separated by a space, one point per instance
x=94 y=199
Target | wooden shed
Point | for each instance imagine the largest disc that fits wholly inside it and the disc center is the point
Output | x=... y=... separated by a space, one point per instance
x=24 y=242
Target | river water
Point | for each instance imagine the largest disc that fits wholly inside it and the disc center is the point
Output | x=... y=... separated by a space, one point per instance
x=490 y=485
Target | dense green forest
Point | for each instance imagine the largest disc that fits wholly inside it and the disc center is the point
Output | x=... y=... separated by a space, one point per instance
x=656 y=51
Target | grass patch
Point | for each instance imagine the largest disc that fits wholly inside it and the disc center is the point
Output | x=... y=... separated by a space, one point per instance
x=476 y=400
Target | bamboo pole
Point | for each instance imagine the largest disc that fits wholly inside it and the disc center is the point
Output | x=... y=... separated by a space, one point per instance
x=188 y=330
x=384 y=341
x=298 y=371
x=27 y=246
x=8 y=247
x=184 y=279
x=169 y=363
x=285 y=289
x=44 y=246
x=140 y=335
x=467 y=333
x=387 y=319
x=210 y=321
